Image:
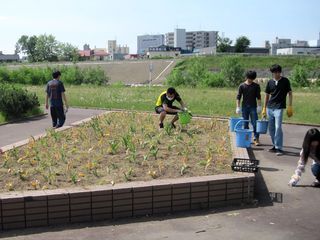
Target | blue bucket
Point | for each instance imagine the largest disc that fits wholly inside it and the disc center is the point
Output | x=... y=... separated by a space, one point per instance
x=262 y=126
x=233 y=121
x=243 y=136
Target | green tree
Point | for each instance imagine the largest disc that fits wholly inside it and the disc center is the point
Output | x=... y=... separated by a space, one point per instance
x=224 y=44
x=27 y=45
x=232 y=70
x=46 y=48
x=67 y=52
x=242 y=43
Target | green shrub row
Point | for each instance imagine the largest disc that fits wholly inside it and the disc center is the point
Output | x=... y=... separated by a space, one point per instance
x=198 y=74
x=195 y=72
x=40 y=76
x=16 y=102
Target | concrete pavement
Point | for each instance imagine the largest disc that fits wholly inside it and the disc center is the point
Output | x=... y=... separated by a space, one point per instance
x=23 y=129
x=281 y=212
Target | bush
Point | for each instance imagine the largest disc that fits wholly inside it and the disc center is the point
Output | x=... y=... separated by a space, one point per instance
x=299 y=76
x=233 y=71
x=214 y=80
x=15 y=102
x=39 y=76
x=94 y=76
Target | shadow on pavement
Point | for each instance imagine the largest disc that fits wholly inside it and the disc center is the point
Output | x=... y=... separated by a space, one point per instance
x=106 y=223
x=261 y=191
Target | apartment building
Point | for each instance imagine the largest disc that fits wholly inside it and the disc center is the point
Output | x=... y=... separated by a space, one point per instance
x=191 y=40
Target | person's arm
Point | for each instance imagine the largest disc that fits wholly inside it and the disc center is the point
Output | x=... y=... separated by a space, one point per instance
x=289 y=109
x=170 y=110
x=183 y=105
x=264 y=109
x=47 y=100
x=65 y=100
x=47 y=97
x=295 y=178
x=239 y=95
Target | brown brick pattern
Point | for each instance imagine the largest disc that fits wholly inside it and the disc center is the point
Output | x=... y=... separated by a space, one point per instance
x=44 y=208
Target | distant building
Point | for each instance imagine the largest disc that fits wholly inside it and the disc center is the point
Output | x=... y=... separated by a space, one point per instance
x=144 y=42
x=86 y=47
x=191 y=40
x=122 y=49
x=99 y=54
x=9 y=57
x=294 y=50
x=112 y=46
x=318 y=41
x=163 y=51
x=251 y=50
x=85 y=54
x=280 y=43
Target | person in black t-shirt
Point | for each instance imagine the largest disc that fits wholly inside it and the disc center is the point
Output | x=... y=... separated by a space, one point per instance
x=55 y=92
x=164 y=105
x=277 y=90
x=249 y=108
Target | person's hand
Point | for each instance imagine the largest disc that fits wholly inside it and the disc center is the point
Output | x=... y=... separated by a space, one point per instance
x=66 y=109
x=238 y=110
x=264 y=112
x=47 y=106
x=259 y=109
x=294 y=180
x=289 y=111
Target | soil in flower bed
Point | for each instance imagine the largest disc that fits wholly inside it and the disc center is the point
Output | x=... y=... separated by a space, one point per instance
x=117 y=147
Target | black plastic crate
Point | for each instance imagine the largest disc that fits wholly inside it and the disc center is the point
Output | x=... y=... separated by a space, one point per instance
x=245 y=165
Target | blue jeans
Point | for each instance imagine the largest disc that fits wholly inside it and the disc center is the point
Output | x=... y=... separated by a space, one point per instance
x=315 y=169
x=275 y=127
x=252 y=113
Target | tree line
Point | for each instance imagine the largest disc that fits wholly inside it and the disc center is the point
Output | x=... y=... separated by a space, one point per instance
x=45 y=48
x=241 y=44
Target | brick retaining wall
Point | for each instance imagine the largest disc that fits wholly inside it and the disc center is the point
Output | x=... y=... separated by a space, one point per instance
x=52 y=207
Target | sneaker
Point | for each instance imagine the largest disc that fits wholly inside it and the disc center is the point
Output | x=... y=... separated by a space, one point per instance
x=173 y=126
x=160 y=125
x=279 y=152
x=256 y=142
x=273 y=149
x=316 y=184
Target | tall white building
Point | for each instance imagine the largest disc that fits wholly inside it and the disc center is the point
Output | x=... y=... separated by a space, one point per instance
x=180 y=38
x=318 y=42
x=112 y=46
x=191 y=40
x=146 y=41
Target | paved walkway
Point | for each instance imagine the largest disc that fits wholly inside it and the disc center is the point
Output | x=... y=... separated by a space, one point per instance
x=17 y=131
x=290 y=213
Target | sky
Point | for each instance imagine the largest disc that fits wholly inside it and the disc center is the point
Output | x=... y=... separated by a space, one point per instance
x=96 y=21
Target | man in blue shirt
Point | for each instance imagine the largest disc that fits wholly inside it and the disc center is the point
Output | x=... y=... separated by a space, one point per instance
x=55 y=92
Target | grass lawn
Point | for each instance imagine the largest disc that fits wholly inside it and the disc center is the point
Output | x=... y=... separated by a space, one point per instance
x=206 y=101
x=117 y=147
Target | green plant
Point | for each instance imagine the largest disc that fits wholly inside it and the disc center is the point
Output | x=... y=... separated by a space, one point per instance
x=15 y=102
x=299 y=76
x=233 y=71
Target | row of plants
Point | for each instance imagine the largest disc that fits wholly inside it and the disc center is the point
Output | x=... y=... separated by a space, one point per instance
x=41 y=75
x=117 y=147
x=195 y=72
x=16 y=102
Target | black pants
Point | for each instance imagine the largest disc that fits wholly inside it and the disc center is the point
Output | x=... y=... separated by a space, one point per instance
x=57 y=115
